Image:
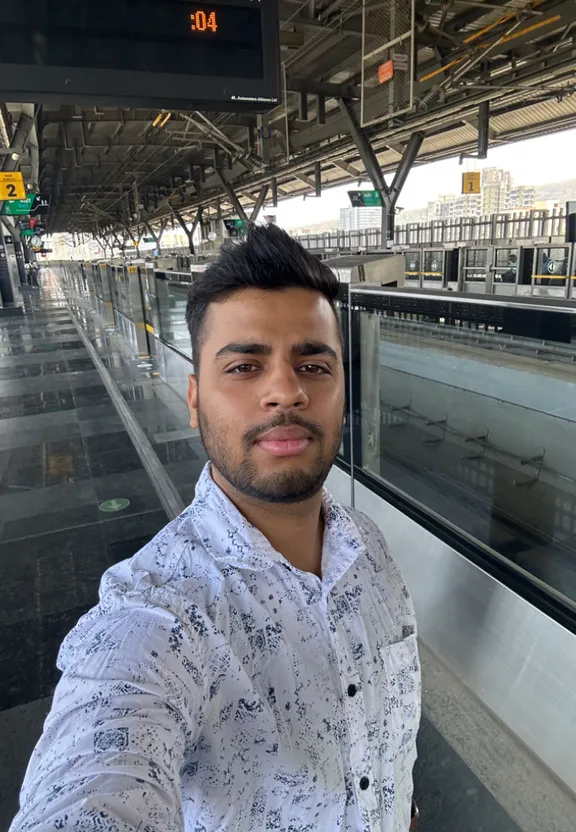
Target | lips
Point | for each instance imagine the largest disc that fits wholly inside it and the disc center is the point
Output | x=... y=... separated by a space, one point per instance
x=288 y=441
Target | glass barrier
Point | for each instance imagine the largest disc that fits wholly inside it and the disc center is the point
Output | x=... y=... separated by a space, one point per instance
x=467 y=411
x=172 y=293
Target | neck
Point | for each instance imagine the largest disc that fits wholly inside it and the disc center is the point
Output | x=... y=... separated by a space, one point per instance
x=296 y=530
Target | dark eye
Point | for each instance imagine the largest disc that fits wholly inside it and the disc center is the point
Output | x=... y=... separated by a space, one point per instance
x=242 y=369
x=314 y=369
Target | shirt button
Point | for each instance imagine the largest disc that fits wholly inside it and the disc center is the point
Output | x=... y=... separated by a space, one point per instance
x=352 y=690
x=364 y=783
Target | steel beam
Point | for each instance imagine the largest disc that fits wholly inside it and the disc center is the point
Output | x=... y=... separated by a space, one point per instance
x=350 y=169
x=185 y=228
x=197 y=220
x=320 y=109
x=274 y=192
x=365 y=150
x=259 y=203
x=374 y=171
x=410 y=153
x=307 y=85
x=318 y=178
x=231 y=194
x=155 y=236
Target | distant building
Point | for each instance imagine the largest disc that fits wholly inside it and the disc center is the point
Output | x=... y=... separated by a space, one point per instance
x=521 y=198
x=450 y=206
x=354 y=219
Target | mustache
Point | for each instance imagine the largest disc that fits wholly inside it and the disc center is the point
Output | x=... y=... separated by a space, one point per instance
x=284 y=420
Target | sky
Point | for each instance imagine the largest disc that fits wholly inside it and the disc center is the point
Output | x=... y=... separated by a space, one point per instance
x=531 y=162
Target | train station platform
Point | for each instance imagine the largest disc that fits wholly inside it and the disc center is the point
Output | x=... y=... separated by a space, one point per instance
x=96 y=455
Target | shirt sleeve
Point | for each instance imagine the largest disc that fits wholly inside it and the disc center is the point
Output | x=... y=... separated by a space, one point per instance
x=113 y=745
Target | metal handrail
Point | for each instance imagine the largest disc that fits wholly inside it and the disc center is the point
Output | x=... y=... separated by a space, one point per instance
x=539 y=304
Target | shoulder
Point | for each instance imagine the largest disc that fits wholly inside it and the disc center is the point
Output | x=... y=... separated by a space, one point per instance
x=381 y=564
x=372 y=536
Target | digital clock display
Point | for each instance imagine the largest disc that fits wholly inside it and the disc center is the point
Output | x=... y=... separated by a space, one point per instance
x=204 y=21
x=168 y=36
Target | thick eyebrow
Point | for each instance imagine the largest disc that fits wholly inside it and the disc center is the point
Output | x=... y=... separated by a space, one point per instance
x=248 y=348
x=303 y=349
x=307 y=348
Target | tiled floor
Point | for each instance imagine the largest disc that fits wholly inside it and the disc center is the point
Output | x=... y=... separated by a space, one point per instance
x=64 y=452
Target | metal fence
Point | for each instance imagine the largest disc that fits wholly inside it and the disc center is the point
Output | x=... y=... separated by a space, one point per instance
x=535 y=225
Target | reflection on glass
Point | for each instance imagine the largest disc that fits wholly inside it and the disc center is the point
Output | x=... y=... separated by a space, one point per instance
x=476 y=420
x=172 y=299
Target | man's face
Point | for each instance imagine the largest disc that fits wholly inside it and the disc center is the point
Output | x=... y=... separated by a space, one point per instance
x=269 y=396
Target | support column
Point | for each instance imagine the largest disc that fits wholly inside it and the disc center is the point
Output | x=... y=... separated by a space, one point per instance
x=389 y=196
x=259 y=203
x=373 y=169
x=19 y=252
x=189 y=232
x=6 y=286
x=154 y=236
x=231 y=194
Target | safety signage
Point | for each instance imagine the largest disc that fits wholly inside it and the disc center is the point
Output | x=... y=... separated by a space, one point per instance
x=18 y=207
x=365 y=199
x=385 y=72
x=12 y=185
x=471 y=182
x=400 y=61
x=27 y=232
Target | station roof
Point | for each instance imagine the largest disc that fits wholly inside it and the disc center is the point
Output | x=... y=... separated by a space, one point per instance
x=110 y=169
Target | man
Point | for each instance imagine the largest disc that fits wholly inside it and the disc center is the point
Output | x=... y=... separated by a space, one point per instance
x=255 y=666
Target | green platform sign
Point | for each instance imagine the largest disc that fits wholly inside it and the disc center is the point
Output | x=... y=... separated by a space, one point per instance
x=18 y=207
x=365 y=199
x=27 y=232
x=235 y=228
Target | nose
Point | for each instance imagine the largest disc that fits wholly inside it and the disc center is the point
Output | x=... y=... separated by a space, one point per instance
x=283 y=389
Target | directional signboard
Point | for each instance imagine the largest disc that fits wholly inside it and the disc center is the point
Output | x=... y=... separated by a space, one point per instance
x=40 y=204
x=235 y=228
x=12 y=185
x=365 y=199
x=18 y=207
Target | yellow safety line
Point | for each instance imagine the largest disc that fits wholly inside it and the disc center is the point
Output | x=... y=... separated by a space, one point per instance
x=549 y=277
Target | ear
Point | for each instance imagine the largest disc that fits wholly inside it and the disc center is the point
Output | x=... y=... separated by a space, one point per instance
x=193 y=400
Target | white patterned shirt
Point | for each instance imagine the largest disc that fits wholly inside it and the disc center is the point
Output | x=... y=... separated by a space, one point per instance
x=217 y=687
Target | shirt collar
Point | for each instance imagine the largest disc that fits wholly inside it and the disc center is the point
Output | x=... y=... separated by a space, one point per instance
x=230 y=539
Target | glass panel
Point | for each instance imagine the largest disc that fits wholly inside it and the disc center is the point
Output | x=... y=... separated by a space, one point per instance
x=505 y=265
x=433 y=265
x=476 y=264
x=469 y=411
x=172 y=298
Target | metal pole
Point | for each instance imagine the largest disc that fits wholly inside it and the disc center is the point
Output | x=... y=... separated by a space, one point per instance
x=184 y=227
x=259 y=203
x=405 y=165
x=6 y=290
x=231 y=194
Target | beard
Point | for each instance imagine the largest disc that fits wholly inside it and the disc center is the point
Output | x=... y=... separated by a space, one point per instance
x=292 y=486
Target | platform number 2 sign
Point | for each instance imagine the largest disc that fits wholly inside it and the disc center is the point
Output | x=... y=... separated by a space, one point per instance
x=12 y=186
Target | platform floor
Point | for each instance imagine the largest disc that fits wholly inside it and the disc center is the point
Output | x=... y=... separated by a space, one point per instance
x=64 y=454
